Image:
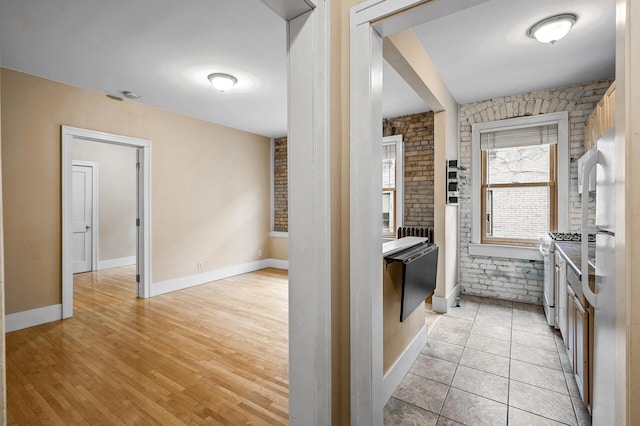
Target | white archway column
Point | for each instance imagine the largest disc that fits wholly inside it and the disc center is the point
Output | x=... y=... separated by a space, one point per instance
x=309 y=219
x=365 y=153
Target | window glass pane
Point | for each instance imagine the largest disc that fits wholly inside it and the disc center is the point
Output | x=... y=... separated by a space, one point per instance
x=519 y=212
x=388 y=209
x=389 y=166
x=518 y=164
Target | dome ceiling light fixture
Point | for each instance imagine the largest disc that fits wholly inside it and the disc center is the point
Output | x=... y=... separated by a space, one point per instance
x=130 y=95
x=222 y=81
x=552 y=29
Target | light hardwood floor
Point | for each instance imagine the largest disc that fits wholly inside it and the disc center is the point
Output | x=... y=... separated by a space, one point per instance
x=212 y=354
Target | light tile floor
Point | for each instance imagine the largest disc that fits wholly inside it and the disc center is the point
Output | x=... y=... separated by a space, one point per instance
x=489 y=362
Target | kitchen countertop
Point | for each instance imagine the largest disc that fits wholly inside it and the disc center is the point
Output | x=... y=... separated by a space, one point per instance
x=571 y=253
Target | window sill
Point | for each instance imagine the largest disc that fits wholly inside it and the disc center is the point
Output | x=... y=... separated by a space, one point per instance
x=278 y=234
x=509 y=252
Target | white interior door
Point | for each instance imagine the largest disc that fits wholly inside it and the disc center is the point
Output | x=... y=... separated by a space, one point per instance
x=82 y=218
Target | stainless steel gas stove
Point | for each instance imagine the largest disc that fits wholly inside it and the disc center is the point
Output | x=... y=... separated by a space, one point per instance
x=547 y=249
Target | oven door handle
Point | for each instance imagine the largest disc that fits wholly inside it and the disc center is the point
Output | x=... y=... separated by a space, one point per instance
x=542 y=252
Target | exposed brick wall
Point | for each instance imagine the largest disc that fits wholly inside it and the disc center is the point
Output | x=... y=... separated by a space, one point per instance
x=417 y=135
x=510 y=278
x=280 y=186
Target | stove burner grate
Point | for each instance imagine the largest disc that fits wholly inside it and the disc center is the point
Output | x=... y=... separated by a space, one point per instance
x=570 y=237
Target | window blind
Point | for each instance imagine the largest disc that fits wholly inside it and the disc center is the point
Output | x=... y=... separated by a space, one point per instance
x=535 y=135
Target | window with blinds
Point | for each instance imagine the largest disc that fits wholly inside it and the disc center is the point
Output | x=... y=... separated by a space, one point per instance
x=519 y=184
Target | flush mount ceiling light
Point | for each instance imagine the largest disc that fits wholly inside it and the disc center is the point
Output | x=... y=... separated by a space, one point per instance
x=130 y=95
x=553 y=28
x=221 y=81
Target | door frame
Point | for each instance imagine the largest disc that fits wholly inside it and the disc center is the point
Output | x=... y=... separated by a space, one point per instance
x=68 y=134
x=94 y=209
x=370 y=22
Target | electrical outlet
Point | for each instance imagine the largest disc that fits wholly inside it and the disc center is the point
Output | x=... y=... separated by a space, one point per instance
x=260 y=253
x=200 y=265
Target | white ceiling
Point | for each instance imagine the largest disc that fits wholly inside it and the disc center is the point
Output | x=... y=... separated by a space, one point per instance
x=160 y=49
x=484 y=52
x=164 y=50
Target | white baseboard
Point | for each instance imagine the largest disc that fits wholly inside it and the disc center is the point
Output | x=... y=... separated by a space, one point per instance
x=33 y=317
x=116 y=263
x=400 y=368
x=181 y=283
x=278 y=264
x=442 y=304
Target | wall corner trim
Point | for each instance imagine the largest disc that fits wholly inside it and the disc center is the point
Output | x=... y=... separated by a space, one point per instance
x=442 y=304
x=32 y=317
x=278 y=264
x=175 y=284
x=400 y=368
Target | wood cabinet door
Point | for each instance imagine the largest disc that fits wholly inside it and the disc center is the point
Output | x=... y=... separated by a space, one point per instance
x=594 y=118
x=571 y=330
x=561 y=298
x=602 y=117
x=610 y=101
x=581 y=365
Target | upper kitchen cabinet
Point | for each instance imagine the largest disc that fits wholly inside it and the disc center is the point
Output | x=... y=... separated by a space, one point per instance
x=601 y=119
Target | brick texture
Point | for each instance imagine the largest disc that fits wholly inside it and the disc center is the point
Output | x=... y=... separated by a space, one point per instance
x=280 y=186
x=417 y=136
x=510 y=278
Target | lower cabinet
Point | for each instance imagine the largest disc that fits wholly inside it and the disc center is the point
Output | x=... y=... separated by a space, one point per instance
x=578 y=337
x=570 y=336
x=561 y=295
x=581 y=359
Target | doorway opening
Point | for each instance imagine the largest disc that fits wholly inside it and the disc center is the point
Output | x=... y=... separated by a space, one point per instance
x=79 y=211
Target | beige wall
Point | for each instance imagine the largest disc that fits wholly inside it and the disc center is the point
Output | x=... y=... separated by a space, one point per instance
x=279 y=248
x=396 y=335
x=340 y=320
x=116 y=196
x=210 y=185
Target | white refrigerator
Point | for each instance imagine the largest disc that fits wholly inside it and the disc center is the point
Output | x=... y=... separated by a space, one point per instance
x=601 y=161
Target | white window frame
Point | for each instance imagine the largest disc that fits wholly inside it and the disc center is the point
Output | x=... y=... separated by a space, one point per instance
x=561 y=119
x=399 y=204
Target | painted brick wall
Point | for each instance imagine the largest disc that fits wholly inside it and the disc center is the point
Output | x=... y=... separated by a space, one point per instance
x=510 y=278
x=417 y=135
x=280 y=186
